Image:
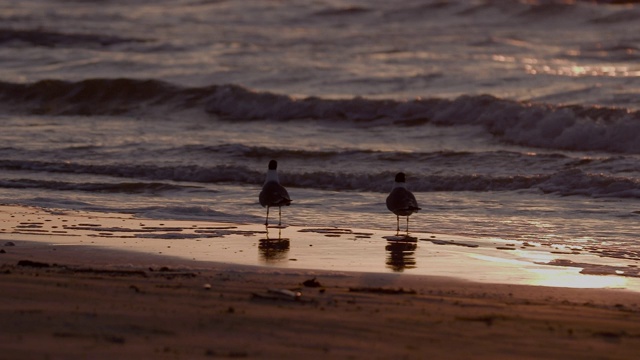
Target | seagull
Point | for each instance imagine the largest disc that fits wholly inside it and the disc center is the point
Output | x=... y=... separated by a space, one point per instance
x=273 y=194
x=401 y=201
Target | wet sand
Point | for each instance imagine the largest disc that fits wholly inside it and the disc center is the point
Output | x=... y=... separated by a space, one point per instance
x=74 y=299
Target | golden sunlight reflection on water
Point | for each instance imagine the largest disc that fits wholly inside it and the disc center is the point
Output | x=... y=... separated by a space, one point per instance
x=533 y=271
x=572 y=278
x=573 y=70
x=562 y=67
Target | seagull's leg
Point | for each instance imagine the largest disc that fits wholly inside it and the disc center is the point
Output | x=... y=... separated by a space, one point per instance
x=398 y=223
x=266 y=222
x=407 y=225
x=279 y=215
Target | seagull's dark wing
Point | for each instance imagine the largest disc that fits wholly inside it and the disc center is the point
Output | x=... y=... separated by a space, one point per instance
x=402 y=202
x=274 y=194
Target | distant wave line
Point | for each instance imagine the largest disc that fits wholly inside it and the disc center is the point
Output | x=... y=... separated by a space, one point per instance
x=568 y=182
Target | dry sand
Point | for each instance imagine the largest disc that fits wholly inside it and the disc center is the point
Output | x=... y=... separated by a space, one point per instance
x=81 y=302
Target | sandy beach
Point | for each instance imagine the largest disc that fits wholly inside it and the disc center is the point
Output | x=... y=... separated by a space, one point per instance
x=77 y=301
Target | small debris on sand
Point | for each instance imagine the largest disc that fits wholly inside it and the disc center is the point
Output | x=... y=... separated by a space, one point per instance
x=380 y=290
x=311 y=283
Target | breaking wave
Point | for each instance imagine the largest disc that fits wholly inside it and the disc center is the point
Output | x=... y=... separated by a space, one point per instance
x=581 y=128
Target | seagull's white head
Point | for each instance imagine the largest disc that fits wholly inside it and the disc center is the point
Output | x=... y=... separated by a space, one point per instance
x=272 y=173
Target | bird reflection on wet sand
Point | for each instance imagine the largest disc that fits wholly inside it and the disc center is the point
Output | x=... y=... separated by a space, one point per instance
x=273 y=250
x=401 y=252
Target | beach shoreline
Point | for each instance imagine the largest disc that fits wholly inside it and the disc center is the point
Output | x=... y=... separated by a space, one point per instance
x=77 y=301
x=312 y=248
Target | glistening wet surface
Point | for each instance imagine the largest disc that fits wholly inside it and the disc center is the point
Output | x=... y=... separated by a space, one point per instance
x=320 y=248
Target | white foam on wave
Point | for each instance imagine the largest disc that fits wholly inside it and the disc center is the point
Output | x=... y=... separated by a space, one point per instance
x=538 y=125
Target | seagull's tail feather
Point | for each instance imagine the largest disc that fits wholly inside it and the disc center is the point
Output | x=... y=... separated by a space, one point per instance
x=284 y=202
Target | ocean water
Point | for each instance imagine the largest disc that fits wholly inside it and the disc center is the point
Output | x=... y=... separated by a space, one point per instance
x=513 y=120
